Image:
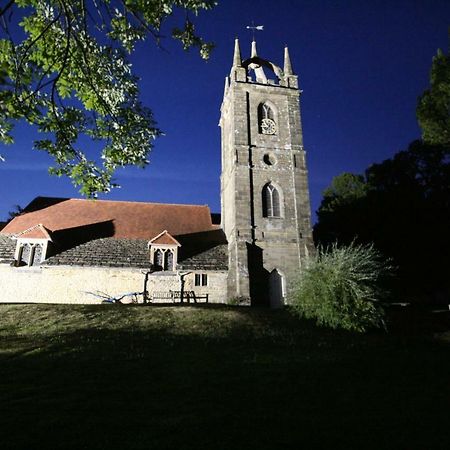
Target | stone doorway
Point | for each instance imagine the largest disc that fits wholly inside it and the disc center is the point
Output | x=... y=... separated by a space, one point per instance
x=276 y=289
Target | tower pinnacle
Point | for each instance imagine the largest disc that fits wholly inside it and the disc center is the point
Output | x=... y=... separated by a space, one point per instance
x=254 y=52
x=238 y=73
x=287 y=63
x=237 y=60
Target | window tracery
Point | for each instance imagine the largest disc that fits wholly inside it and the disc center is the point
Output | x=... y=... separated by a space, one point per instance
x=164 y=259
x=163 y=251
x=158 y=259
x=168 y=260
x=271 y=201
x=266 y=119
x=29 y=254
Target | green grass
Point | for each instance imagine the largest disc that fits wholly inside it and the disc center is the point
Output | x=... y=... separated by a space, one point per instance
x=119 y=377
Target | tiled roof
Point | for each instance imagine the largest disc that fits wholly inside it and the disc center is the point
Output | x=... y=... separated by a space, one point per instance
x=215 y=258
x=7 y=247
x=164 y=238
x=105 y=252
x=108 y=252
x=116 y=234
x=129 y=220
x=207 y=250
x=35 y=232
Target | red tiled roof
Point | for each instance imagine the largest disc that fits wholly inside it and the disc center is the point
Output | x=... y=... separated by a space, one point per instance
x=36 y=232
x=164 y=238
x=133 y=220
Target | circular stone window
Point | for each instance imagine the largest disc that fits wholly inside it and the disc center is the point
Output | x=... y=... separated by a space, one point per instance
x=269 y=159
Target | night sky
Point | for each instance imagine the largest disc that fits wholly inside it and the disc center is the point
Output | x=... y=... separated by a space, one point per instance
x=361 y=66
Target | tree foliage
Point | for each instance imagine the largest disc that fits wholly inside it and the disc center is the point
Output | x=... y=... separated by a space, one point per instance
x=402 y=205
x=344 y=189
x=433 y=109
x=64 y=67
x=340 y=288
x=404 y=210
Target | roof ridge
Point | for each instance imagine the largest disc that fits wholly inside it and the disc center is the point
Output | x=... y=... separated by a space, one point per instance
x=133 y=202
x=41 y=227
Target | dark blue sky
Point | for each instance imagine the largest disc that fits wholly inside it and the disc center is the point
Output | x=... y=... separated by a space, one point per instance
x=361 y=66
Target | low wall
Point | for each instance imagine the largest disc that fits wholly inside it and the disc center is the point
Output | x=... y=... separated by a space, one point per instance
x=72 y=284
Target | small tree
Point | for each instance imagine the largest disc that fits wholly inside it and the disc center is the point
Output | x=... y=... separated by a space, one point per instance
x=340 y=288
x=433 y=108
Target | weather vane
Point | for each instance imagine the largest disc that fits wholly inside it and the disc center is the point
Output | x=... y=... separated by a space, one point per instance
x=254 y=28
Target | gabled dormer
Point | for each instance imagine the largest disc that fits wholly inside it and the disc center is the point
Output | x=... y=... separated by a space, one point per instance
x=164 y=251
x=32 y=245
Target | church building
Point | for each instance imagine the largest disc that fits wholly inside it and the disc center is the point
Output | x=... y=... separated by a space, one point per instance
x=84 y=251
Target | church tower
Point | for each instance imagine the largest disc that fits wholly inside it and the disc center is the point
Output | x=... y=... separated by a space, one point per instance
x=264 y=182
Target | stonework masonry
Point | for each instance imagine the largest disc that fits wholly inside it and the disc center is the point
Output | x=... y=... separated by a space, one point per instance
x=82 y=285
x=86 y=251
x=259 y=246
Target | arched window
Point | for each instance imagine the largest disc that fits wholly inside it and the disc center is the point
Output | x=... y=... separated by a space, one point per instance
x=271 y=201
x=168 y=260
x=164 y=251
x=158 y=259
x=37 y=256
x=266 y=119
x=25 y=254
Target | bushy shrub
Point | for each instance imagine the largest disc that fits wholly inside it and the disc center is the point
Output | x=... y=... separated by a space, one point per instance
x=239 y=301
x=340 y=288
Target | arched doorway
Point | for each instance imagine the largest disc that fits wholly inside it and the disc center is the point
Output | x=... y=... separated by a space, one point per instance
x=276 y=289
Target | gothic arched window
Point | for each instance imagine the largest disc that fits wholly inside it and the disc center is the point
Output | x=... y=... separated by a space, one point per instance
x=25 y=254
x=266 y=119
x=168 y=260
x=271 y=201
x=158 y=258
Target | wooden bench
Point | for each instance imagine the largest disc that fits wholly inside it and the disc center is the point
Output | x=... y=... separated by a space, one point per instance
x=175 y=297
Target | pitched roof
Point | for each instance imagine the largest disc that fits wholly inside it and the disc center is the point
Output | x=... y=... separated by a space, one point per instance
x=36 y=232
x=118 y=219
x=164 y=238
x=214 y=258
x=209 y=253
x=7 y=247
x=106 y=252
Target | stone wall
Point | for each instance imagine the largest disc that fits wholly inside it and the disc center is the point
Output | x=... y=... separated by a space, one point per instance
x=72 y=284
x=250 y=160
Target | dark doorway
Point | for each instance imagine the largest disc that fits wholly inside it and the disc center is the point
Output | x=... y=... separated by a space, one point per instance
x=276 y=289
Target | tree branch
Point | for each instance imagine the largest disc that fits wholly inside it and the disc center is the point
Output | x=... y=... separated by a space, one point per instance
x=8 y=5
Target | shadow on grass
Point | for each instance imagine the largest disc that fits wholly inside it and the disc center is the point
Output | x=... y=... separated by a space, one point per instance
x=262 y=380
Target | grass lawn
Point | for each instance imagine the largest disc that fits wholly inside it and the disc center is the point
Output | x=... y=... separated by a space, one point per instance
x=139 y=377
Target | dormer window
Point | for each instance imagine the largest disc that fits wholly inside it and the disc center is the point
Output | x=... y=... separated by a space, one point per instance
x=163 y=252
x=30 y=254
x=32 y=246
x=163 y=259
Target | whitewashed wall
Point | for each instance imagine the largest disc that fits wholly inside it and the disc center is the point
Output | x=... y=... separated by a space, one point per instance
x=72 y=284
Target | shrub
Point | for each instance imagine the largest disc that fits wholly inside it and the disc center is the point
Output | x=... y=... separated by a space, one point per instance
x=239 y=301
x=340 y=288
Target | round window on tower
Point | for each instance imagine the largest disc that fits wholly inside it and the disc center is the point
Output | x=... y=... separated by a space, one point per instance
x=269 y=159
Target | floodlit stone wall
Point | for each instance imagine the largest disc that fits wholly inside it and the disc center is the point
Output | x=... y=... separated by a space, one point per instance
x=250 y=160
x=85 y=285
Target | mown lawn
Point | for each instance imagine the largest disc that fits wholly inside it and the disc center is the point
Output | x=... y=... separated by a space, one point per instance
x=139 y=377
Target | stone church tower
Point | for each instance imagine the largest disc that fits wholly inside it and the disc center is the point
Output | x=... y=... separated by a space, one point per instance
x=264 y=180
